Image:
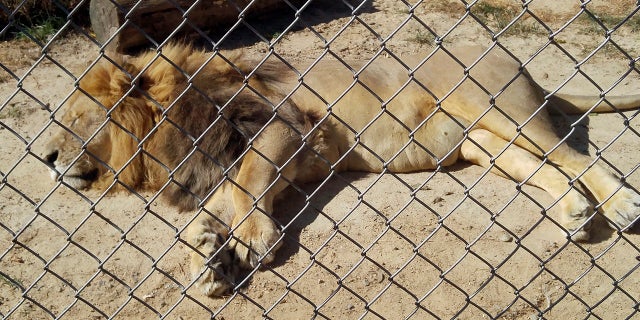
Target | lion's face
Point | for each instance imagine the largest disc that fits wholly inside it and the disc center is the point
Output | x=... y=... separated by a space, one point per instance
x=81 y=146
x=101 y=128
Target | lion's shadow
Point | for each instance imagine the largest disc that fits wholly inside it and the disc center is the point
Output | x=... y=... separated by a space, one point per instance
x=301 y=206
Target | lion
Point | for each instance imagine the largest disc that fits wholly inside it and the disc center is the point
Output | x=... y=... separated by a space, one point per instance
x=225 y=135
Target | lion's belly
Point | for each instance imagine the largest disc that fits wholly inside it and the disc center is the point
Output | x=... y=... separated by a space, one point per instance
x=413 y=145
x=383 y=121
x=403 y=136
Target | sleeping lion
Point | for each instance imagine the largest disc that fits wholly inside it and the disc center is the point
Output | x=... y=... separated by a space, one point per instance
x=224 y=135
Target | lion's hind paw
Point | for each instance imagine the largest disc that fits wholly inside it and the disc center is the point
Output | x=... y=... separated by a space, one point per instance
x=623 y=209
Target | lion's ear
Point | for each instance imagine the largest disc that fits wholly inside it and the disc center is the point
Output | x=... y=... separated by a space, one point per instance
x=142 y=81
x=121 y=75
x=127 y=73
x=106 y=78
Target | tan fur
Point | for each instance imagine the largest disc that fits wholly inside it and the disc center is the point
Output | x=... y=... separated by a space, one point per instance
x=165 y=128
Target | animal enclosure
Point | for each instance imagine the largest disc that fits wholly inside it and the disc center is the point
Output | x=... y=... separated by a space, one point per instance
x=455 y=242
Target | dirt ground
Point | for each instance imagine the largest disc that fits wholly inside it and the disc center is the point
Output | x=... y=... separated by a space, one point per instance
x=365 y=245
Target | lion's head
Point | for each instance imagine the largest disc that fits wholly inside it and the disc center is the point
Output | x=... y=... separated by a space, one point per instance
x=105 y=110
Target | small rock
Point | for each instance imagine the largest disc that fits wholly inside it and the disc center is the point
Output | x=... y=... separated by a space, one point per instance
x=505 y=237
x=376 y=276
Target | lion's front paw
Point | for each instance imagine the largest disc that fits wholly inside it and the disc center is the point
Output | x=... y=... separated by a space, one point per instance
x=623 y=209
x=256 y=240
x=213 y=269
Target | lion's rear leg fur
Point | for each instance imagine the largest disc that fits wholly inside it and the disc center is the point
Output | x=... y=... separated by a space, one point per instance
x=619 y=203
x=263 y=174
x=521 y=165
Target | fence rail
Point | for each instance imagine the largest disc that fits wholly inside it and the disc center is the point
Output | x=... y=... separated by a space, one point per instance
x=457 y=241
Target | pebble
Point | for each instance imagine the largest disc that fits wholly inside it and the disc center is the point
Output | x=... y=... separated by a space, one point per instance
x=505 y=237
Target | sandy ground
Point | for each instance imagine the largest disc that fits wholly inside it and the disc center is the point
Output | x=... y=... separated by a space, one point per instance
x=363 y=246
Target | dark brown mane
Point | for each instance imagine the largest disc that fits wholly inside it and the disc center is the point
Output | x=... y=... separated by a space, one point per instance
x=197 y=126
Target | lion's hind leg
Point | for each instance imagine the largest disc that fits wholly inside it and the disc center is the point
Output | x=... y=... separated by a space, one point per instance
x=490 y=151
x=619 y=203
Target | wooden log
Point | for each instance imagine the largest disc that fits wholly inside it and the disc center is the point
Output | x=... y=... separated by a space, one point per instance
x=127 y=24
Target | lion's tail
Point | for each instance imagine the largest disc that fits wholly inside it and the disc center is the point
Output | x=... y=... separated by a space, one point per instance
x=579 y=104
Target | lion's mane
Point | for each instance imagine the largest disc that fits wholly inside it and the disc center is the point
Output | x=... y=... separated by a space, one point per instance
x=184 y=117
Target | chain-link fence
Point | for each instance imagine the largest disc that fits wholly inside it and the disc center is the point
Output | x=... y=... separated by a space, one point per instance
x=311 y=115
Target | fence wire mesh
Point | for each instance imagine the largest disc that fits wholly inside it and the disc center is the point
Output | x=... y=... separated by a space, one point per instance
x=369 y=243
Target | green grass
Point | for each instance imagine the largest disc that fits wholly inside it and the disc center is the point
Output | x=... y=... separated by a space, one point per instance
x=493 y=14
x=40 y=18
x=41 y=31
x=275 y=36
x=15 y=284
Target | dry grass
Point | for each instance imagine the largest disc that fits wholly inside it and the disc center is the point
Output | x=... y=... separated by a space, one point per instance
x=15 y=55
x=452 y=8
x=609 y=20
x=11 y=111
x=499 y=16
